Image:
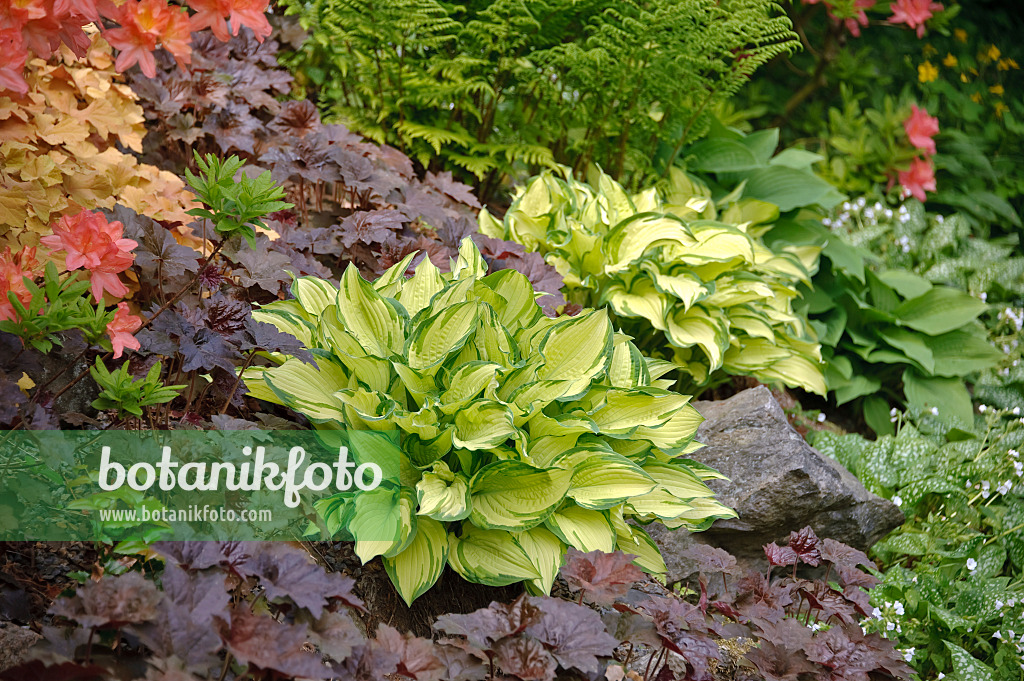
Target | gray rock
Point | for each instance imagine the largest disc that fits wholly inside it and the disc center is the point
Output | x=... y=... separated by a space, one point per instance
x=778 y=483
x=14 y=642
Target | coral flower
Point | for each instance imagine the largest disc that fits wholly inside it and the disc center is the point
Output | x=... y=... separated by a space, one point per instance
x=13 y=270
x=921 y=128
x=212 y=13
x=95 y=244
x=920 y=178
x=121 y=330
x=914 y=13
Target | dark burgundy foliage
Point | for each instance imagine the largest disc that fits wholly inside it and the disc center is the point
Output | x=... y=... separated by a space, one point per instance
x=281 y=616
x=805 y=545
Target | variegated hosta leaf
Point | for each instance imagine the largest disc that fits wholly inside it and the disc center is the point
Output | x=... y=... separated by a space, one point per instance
x=664 y=259
x=517 y=434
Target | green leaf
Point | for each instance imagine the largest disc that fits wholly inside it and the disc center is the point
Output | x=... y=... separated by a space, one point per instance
x=582 y=528
x=443 y=495
x=513 y=495
x=939 y=310
x=545 y=551
x=490 y=557
x=948 y=395
x=968 y=667
x=721 y=155
x=419 y=565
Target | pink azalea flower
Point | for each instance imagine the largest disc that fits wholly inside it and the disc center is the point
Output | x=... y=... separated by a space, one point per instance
x=122 y=328
x=853 y=24
x=920 y=178
x=97 y=245
x=921 y=128
x=13 y=269
x=914 y=13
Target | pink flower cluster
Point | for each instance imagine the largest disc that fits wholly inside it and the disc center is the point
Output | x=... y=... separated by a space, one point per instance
x=913 y=13
x=920 y=177
x=97 y=245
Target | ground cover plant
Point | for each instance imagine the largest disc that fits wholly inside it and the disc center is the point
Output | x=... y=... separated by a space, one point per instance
x=205 y=610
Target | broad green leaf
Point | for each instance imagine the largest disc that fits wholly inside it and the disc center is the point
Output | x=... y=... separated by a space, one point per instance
x=489 y=557
x=378 y=523
x=309 y=389
x=314 y=294
x=421 y=287
x=968 y=667
x=420 y=564
x=577 y=349
x=948 y=395
x=720 y=156
x=678 y=479
x=601 y=480
x=442 y=494
x=436 y=337
x=939 y=310
x=374 y=321
x=582 y=528
x=482 y=425
x=545 y=551
x=513 y=495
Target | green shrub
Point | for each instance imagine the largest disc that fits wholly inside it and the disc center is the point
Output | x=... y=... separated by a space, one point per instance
x=953 y=587
x=488 y=87
x=688 y=282
x=519 y=434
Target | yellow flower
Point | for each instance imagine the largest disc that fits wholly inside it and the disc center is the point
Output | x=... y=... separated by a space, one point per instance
x=976 y=98
x=999 y=108
x=927 y=72
x=950 y=60
x=964 y=78
x=997 y=90
x=929 y=50
x=1007 y=64
x=960 y=35
x=993 y=53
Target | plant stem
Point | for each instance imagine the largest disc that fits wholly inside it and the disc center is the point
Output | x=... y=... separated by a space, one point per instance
x=227 y=402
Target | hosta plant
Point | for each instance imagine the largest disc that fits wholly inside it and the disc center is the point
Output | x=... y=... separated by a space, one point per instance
x=686 y=277
x=519 y=434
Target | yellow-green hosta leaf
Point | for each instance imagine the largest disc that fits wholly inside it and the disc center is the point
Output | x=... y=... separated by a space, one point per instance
x=545 y=551
x=513 y=495
x=674 y=433
x=314 y=294
x=436 y=337
x=490 y=226
x=470 y=264
x=393 y=278
x=493 y=342
x=625 y=409
x=371 y=408
x=378 y=524
x=482 y=425
x=376 y=322
x=639 y=299
x=601 y=480
x=753 y=355
x=636 y=542
x=443 y=495
x=582 y=528
x=309 y=389
x=696 y=327
x=490 y=557
x=420 y=564
x=257 y=386
x=469 y=380
x=288 y=322
x=577 y=349
x=798 y=371
x=660 y=504
x=677 y=479
x=520 y=308
x=543 y=450
x=627 y=368
x=421 y=287
x=684 y=286
x=701 y=514
x=630 y=239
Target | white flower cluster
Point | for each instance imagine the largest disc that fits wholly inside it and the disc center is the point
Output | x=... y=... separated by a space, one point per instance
x=1010 y=315
x=888 y=614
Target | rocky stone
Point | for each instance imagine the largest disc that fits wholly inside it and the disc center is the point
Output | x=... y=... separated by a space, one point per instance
x=778 y=483
x=14 y=641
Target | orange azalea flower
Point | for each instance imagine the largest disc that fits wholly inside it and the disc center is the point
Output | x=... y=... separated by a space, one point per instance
x=122 y=329
x=212 y=14
x=97 y=245
x=920 y=128
x=919 y=178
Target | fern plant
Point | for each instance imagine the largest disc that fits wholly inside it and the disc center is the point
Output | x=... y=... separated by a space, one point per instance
x=493 y=88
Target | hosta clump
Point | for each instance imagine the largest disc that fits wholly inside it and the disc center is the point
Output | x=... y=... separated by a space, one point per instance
x=520 y=434
x=676 y=272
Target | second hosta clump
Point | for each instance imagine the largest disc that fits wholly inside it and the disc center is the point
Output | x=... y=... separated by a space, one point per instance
x=520 y=435
x=684 y=276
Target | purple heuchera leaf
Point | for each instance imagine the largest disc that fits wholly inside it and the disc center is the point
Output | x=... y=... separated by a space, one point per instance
x=805 y=544
x=603 y=577
x=779 y=556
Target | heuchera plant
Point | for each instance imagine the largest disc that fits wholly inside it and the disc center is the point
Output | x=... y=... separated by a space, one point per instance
x=519 y=435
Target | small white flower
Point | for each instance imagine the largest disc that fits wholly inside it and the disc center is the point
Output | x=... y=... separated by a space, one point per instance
x=909 y=654
x=898 y=607
x=821 y=418
x=1018 y=468
x=998 y=635
x=894 y=412
x=972 y=564
x=940 y=219
x=1016 y=411
x=1012 y=602
x=940 y=676
x=899 y=629
x=1004 y=488
x=876 y=613
x=888 y=214
x=889 y=626
x=1013 y=452
x=983 y=408
x=983 y=296
x=935 y=411
x=899 y=502
x=814 y=626
x=861 y=202
x=968 y=485
x=999 y=604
